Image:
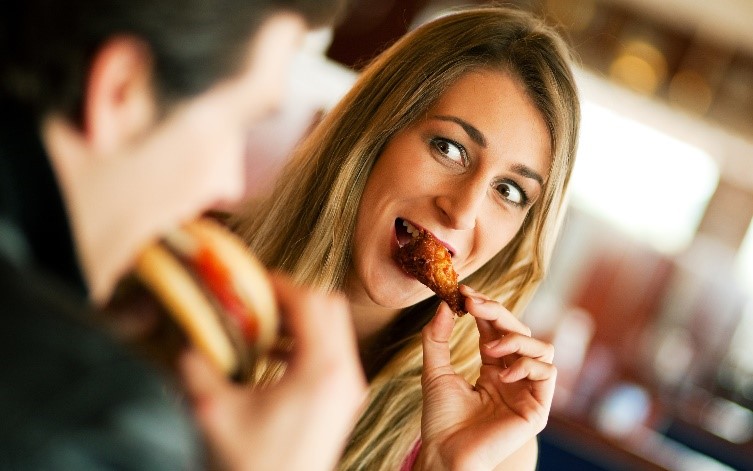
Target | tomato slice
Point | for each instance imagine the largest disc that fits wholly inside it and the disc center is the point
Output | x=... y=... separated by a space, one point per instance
x=218 y=280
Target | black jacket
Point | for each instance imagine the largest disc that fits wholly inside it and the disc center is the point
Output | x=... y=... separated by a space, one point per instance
x=70 y=397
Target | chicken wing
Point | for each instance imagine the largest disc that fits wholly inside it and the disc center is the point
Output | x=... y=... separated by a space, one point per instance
x=427 y=260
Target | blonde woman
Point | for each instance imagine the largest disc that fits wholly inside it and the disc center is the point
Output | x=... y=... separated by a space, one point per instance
x=467 y=128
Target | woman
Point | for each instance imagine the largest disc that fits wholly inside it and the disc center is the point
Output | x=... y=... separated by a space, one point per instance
x=466 y=127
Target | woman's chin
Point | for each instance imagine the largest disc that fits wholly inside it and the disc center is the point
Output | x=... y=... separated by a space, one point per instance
x=401 y=298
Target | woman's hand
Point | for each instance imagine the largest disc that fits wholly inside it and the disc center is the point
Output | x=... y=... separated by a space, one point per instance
x=479 y=427
x=301 y=422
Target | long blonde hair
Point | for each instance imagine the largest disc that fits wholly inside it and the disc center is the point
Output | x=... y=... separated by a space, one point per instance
x=306 y=226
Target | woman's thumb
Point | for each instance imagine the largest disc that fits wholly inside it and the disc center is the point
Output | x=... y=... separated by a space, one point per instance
x=436 y=342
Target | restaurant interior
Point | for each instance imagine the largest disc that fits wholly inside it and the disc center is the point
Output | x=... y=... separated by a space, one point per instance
x=649 y=301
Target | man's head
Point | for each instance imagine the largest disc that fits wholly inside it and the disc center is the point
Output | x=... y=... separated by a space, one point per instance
x=46 y=46
x=144 y=106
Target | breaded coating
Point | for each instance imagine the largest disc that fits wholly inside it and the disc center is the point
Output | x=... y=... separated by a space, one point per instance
x=427 y=260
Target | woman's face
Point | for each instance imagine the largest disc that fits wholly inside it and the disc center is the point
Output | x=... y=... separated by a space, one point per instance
x=468 y=171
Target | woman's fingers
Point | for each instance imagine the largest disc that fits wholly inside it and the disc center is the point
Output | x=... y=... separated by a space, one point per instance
x=489 y=335
x=524 y=346
x=436 y=344
x=484 y=308
x=501 y=333
x=528 y=368
x=541 y=376
x=526 y=387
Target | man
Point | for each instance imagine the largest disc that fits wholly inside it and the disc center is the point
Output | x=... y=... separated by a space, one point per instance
x=118 y=121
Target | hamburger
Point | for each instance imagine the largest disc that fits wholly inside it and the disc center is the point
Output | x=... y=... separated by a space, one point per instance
x=216 y=293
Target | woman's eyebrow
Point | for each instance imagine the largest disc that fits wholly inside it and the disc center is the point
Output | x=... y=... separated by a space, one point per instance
x=475 y=135
x=528 y=172
x=479 y=139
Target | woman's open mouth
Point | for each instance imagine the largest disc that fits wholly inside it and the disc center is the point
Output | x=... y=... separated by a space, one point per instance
x=405 y=231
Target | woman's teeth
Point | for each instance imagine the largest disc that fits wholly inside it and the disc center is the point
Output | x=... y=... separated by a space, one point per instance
x=410 y=228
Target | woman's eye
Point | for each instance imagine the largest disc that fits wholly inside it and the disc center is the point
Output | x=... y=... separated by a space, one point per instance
x=512 y=193
x=449 y=149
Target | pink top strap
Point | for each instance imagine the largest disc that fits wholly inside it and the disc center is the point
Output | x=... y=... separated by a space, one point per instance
x=410 y=460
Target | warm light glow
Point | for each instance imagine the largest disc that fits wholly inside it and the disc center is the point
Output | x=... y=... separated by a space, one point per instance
x=690 y=89
x=745 y=260
x=647 y=183
x=640 y=66
x=575 y=14
x=636 y=73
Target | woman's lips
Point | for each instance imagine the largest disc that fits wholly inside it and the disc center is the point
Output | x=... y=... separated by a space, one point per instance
x=405 y=229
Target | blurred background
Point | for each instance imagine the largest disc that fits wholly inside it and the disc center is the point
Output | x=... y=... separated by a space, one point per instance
x=650 y=299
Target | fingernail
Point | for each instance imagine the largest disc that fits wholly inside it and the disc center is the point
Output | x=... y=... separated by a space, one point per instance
x=477 y=299
x=467 y=289
x=503 y=375
x=492 y=344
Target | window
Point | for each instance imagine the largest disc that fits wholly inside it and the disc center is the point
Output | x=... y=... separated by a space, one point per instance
x=643 y=181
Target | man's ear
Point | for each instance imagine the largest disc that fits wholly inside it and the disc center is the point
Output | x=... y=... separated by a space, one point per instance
x=119 y=99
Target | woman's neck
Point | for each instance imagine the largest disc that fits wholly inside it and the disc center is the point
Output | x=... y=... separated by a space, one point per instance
x=369 y=320
x=383 y=332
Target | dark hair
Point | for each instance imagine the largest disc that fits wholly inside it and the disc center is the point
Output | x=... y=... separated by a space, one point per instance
x=46 y=46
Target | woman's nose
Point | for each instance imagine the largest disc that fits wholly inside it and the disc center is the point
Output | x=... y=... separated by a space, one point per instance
x=461 y=203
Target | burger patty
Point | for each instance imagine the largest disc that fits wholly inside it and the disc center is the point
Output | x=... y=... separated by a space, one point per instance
x=245 y=351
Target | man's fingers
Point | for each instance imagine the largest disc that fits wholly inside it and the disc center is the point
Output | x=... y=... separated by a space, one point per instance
x=207 y=387
x=436 y=343
x=198 y=374
x=316 y=322
x=294 y=313
x=324 y=352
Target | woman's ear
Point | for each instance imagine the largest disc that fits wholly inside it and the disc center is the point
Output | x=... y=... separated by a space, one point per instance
x=119 y=99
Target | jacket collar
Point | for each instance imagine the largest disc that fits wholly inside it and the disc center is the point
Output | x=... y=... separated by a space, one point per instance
x=32 y=213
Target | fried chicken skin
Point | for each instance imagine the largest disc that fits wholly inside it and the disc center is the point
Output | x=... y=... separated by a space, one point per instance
x=426 y=259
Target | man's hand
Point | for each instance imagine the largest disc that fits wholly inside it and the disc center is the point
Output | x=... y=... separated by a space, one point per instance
x=302 y=421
